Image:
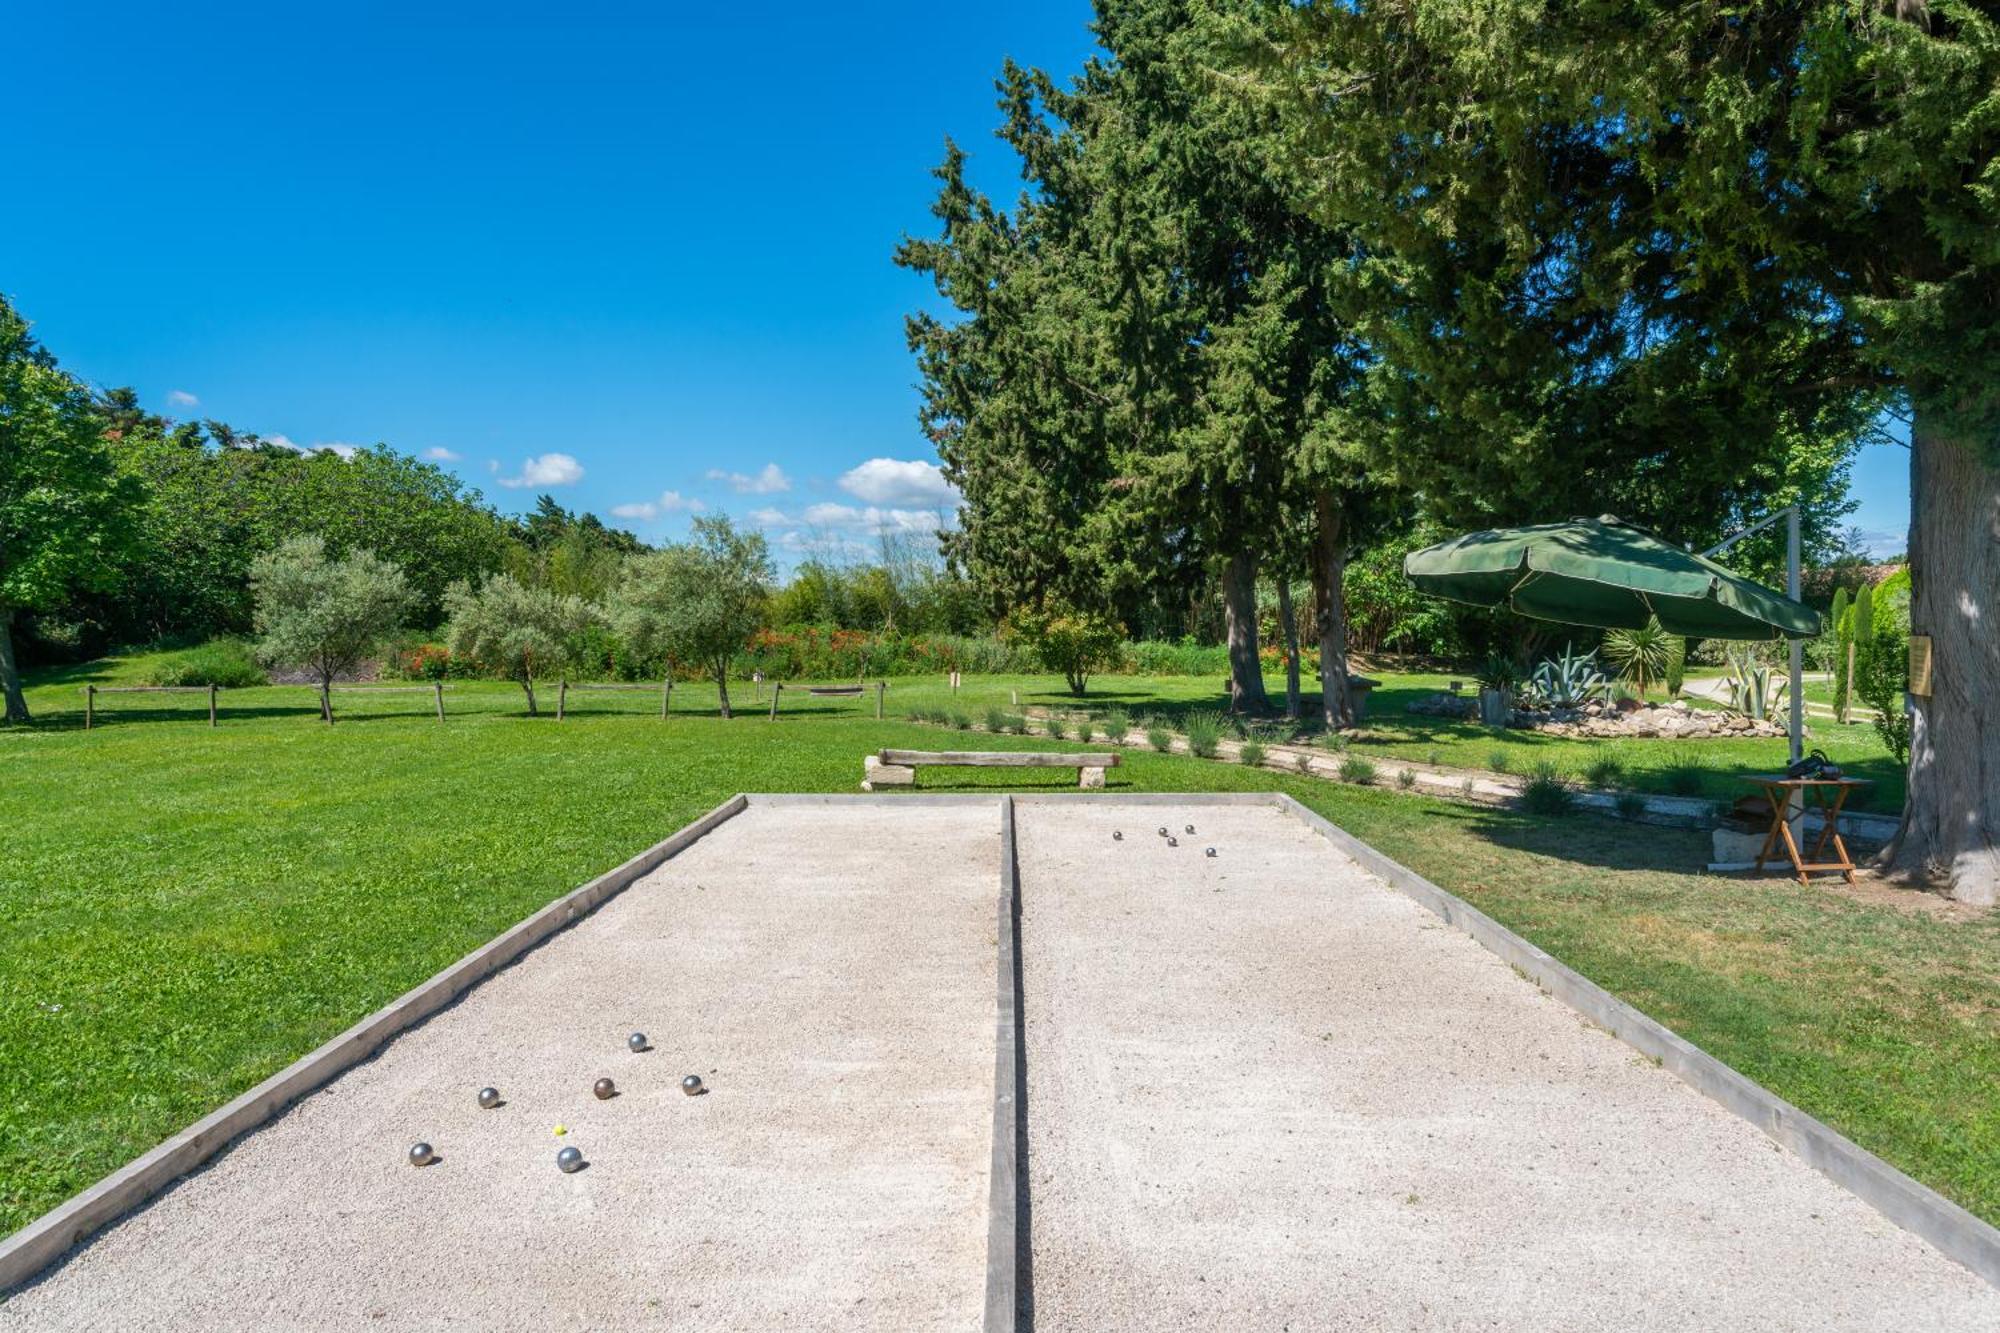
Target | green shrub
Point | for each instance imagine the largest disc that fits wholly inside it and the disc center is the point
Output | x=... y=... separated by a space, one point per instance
x=1406 y=778
x=1630 y=804
x=1500 y=761
x=1204 y=733
x=227 y=663
x=1117 y=724
x=1084 y=729
x=1465 y=787
x=1160 y=736
x=1151 y=658
x=1251 y=754
x=1336 y=741
x=1606 y=770
x=1684 y=773
x=1054 y=726
x=1303 y=762
x=996 y=720
x=1434 y=758
x=1016 y=724
x=959 y=719
x=1547 y=791
x=1359 y=771
x=1075 y=641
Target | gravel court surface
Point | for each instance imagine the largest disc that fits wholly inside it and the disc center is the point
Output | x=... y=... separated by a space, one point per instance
x=830 y=973
x=1267 y=1091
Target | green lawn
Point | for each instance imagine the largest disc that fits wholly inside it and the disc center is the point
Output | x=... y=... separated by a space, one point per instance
x=188 y=910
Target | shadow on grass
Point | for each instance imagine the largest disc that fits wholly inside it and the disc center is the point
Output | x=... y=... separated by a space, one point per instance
x=1585 y=839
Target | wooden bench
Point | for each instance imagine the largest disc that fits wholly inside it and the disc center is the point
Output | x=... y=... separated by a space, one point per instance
x=898 y=768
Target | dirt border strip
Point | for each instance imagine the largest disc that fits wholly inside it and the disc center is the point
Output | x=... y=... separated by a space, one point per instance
x=1914 y=1207
x=1004 y=1250
x=43 y=1241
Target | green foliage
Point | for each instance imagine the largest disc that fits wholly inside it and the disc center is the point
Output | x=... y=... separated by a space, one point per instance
x=996 y=719
x=1629 y=804
x=1055 y=726
x=697 y=602
x=1605 y=770
x=1071 y=642
x=1547 y=790
x=1085 y=728
x=1639 y=656
x=1204 y=732
x=958 y=719
x=1151 y=658
x=321 y=614
x=1498 y=671
x=1359 y=771
x=1406 y=778
x=228 y=663
x=1568 y=681
x=1676 y=671
x=511 y=629
x=62 y=509
x=1882 y=660
x=1160 y=737
x=1303 y=761
x=1756 y=689
x=1500 y=761
x=1117 y=723
x=1683 y=772
x=1250 y=753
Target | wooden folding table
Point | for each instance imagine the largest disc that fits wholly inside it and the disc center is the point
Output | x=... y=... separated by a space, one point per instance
x=1827 y=795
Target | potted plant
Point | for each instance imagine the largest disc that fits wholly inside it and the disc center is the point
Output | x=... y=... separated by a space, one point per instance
x=1497 y=677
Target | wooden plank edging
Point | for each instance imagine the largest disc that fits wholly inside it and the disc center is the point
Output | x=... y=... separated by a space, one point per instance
x=43 y=1241
x=1913 y=1206
x=999 y=758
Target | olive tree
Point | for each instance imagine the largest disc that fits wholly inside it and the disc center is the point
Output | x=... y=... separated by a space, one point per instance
x=325 y=615
x=506 y=625
x=697 y=602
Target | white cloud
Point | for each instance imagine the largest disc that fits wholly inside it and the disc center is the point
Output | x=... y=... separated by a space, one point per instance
x=841 y=518
x=182 y=398
x=905 y=483
x=771 y=481
x=440 y=454
x=546 y=470
x=645 y=511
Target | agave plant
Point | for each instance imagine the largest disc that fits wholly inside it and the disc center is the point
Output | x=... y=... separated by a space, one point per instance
x=1756 y=690
x=1569 y=681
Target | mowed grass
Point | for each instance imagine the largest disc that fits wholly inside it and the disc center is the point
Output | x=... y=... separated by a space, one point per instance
x=187 y=911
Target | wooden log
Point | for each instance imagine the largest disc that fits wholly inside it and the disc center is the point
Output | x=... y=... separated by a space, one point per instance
x=880 y=686
x=998 y=759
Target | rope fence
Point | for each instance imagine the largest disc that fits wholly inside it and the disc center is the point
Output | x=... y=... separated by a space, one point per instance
x=563 y=689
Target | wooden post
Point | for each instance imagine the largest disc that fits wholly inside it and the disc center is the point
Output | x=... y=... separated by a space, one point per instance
x=438 y=685
x=211 y=704
x=1015 y=695
x=562 y=698
x=776 y=690
x=89 y=706
x=666 y=696
x=880 y=686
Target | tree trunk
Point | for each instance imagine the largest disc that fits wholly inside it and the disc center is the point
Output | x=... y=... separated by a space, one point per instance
x=1951 y=817
x=1239 y=604
x=528 y=688
x=722 y=687
x=1291 y=624
x=10 y=675
x=1329 y=568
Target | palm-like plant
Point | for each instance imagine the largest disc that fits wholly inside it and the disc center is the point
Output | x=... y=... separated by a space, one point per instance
x=1639 y=656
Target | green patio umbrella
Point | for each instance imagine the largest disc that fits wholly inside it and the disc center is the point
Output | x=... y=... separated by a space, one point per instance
x=1606 y=573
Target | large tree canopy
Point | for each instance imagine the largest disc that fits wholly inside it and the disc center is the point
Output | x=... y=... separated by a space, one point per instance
x=1672 y=251
x=61 y=504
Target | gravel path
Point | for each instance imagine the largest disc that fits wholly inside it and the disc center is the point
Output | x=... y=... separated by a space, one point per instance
x=831 y=975
x=1265 y=1091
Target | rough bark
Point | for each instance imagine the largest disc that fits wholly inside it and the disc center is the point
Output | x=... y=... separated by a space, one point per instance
x=528 y=688
x=10 y=675
x=1329 y=569
x=722 y=685
x=1291 y=624
x=1951 y=817
x=1239 y=604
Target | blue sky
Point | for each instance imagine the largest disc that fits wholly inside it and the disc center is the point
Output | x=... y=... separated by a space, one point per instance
x=634 y=255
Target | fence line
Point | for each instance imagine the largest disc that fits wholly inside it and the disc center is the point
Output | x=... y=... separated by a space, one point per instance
x=90 y=693
x=564 y=687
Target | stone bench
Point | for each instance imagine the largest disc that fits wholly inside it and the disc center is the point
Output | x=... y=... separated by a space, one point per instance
x=898 y=768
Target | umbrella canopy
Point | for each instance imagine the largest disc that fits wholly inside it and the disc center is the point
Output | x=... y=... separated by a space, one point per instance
x=1609 y=574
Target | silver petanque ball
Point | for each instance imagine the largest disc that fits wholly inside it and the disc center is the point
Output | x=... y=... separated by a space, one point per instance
x=1117 y=836
x=637 y=1042
x=569 y=1160
x=421 y=1154
x=1173 y=842
x=1209 y=852
x=1163 y=830
x=691 y=1085
x=1190 y=828
x=489 y=1098
x=604 y=1089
